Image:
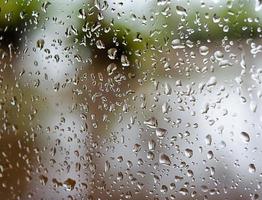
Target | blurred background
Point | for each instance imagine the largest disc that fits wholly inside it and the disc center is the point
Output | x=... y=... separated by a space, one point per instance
x=131 y=99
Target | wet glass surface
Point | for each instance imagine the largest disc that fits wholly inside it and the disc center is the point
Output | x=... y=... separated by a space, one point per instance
x=131 y=99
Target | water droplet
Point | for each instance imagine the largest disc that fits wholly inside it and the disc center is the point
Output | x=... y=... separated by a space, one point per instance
x=208 y=139
x=124 y=61
x=45 y=5
x=176 y=44
x=82 y=13
x=164 y=189
x=161 y=2
x=245 y=136
x=212 y=81
x=136 y=148
x=100 y=44
x=112 y=53
x=107 y=166
x=165 y=108
x=111 y=68
x=40 y=44
x=210 y=155
x=253 y=106
x=251 y=168
x=69 y=184
x=167 y=89
x=258 y=5
x=183 y=191
x=181 y=11
x=203 y=50
x=219 y=55
x=43 y=179
x=151 y=123
x=151 y=145
x=164 y=159
x=188 y=153
x=161 y=132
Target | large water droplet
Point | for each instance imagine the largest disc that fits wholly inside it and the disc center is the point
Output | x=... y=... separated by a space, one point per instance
x=164 y=159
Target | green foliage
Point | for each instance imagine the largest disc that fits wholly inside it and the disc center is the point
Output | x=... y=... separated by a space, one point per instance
x=13 y=11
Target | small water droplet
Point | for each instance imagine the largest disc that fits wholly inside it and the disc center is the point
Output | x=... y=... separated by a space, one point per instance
x=181 y=11
x=112 y=53
x=151 y=145
x=124 y=61
x=212 y=81
x=245 y=136
x=176 y=44
x=107 y=166
x=161 y=132
x=208 y=139
x=253 y=106
x=69 y=184
x=183 y=191
x=251 y=168
x=210 y=155
x=203 y=50
x=82 y=13
x=188 y=153
x=40 y=44
x=100 y=44
x=151 y=122
x=136 y=148
x=43 y=179
x=45 y=6
x=167 y=89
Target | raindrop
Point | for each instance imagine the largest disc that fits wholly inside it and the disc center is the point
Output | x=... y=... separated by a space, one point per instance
x=45 y=5
x=183 y=191
x=40 y=44
x=107 y=166
x=124 y=61
x=151 y=122
x=181 y=11
x=69 y=184
x=82 y=13
x=210 y=155
x=176 y=44
x=43 y=179
x=100 y=44
x=188 y=153
x=164 y=160
x=164 y=189
x=112 y=53
x=167 y=89
x=161 y=132
x=111 y=68
x=203 y=50
x=245 y=136
x=251 y=168
x=253 y=106
x=136 y=148
x=208 y=139
x=212 y=81
x=151 y=145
